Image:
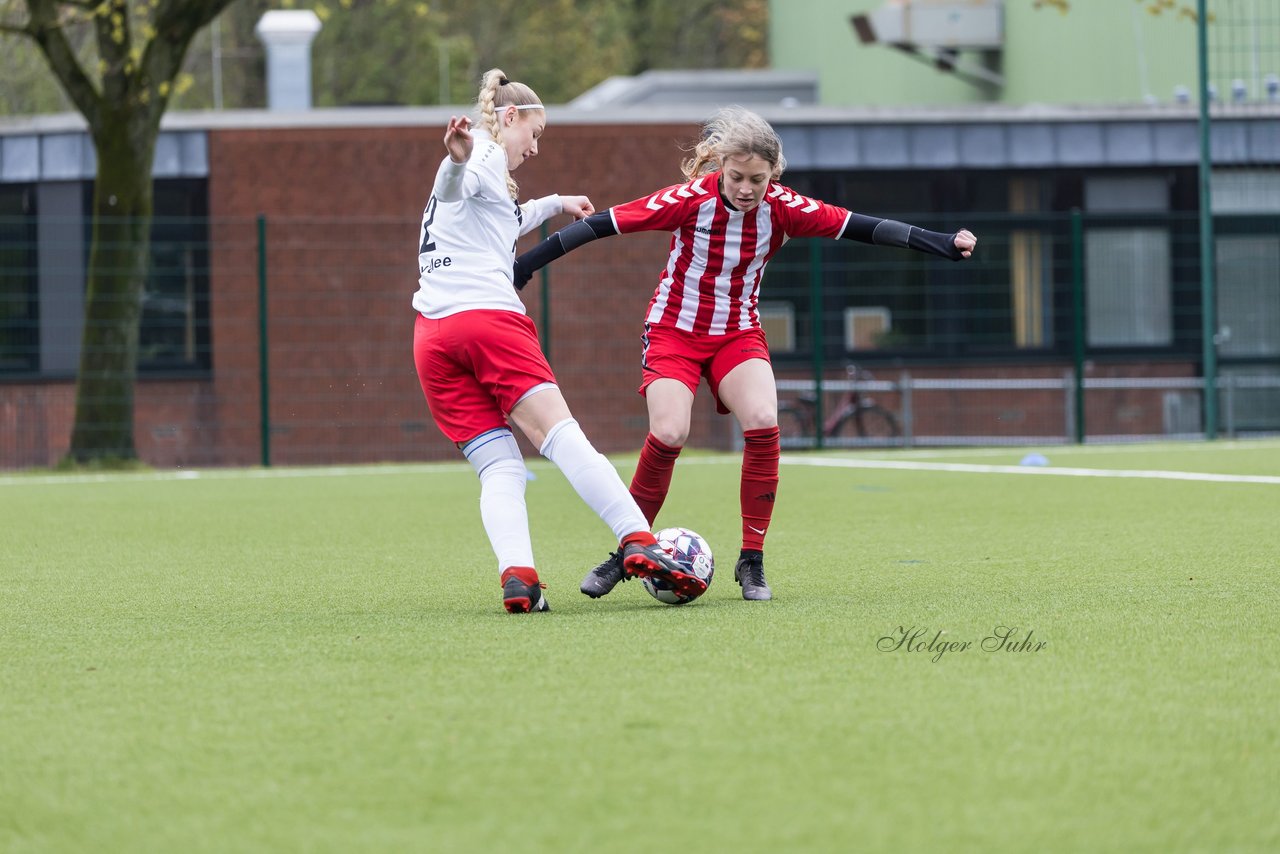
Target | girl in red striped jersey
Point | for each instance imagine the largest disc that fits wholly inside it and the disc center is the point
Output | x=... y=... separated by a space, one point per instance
x=726 y=221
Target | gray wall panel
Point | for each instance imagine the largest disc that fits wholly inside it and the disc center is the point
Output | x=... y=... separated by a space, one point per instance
x=1264 y=142
x=1080 y=144
x=1176 y=143
x=983 y=145
x=1128 y=143
x=60 y=256
x=62 y=156
x=797 y=146
x=195 y=154
x=935 y=146
x=1032 y=145
x=20 y=159
x=168 y=158
x=1229 y=143
x=885 y=146
x=835 y=147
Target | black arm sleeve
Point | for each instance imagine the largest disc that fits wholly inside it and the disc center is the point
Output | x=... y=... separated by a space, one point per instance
x=888 y=232
x=599 y=224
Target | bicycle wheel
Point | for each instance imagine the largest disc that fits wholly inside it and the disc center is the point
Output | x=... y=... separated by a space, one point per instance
x=876 y=422
x=793 y=427
x=846 y=431
x=866 y=425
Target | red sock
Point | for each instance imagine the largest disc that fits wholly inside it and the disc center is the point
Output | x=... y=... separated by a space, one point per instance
x=652 y=479
x=759 y=484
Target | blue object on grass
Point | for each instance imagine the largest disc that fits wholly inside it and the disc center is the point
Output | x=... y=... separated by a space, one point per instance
x=1034 y=460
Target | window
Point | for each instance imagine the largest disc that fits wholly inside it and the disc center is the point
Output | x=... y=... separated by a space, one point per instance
x=1127 y=287
x=1128 y=271
x=778 y=320
x=175 y=310
x=1246 y=207
x=174 y=331
x=18 y=284
x=1248 y=290
x=865 y=328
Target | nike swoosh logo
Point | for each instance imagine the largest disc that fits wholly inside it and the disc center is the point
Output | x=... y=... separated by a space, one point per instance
x=757 y=530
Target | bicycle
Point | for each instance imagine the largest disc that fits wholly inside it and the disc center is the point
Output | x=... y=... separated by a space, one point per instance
x=855 y=415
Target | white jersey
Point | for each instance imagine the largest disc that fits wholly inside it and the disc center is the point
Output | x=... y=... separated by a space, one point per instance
x=467 y=243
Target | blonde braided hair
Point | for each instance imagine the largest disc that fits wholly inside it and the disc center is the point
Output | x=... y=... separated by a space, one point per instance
x=497 y=92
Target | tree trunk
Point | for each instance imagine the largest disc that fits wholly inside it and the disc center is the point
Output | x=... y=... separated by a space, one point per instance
x=119 y=261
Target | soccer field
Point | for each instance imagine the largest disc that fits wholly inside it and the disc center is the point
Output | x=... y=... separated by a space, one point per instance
x=318 y=659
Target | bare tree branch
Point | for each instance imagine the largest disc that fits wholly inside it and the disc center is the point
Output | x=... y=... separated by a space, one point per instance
x=44 y=29
x=162 y=59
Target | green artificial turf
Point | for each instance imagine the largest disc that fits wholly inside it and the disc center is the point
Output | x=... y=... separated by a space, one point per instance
x=318 y=660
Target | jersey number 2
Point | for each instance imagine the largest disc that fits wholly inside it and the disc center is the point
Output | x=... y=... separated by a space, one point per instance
x=428 y=245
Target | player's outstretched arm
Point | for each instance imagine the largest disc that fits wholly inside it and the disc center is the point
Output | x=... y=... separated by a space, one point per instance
x=565 y=240
x=452 y=181
x=889 y=232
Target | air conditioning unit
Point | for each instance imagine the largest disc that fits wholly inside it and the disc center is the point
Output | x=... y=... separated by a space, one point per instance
x=977 y=24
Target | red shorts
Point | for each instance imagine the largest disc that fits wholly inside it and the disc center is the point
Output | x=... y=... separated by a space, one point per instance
x=474 y=366
x=671 y=353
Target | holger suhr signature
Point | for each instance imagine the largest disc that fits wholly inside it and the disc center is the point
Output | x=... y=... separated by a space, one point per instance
x=937 y=644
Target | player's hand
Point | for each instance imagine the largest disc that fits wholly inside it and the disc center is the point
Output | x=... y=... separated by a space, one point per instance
x=965 y=242
x=520 y=274
x=457 y=139
x=579 y=207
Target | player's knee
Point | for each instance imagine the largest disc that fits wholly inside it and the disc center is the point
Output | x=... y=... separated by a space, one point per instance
x=758 y=418
x=670 y=433
x=496 y=450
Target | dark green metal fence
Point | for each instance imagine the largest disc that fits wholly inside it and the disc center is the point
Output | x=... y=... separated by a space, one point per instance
x=287 y=342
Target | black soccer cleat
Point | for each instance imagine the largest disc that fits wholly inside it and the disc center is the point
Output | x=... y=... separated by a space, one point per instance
x=521 y=597
x=750 y=574
x=601 y=580
x=653 y=562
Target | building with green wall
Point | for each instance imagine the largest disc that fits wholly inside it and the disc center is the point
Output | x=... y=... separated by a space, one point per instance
x=1094 y=52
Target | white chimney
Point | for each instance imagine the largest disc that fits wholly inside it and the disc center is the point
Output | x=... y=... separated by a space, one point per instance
x=287 y=35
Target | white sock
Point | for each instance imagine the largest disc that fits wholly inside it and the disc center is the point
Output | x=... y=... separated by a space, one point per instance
x=593 y=477
x=502 y=509
x=496 y=458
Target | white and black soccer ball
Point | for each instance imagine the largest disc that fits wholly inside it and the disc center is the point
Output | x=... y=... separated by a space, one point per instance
x=692 y=553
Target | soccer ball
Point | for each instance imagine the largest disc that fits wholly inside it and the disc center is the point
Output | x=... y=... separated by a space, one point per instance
x=694 y=556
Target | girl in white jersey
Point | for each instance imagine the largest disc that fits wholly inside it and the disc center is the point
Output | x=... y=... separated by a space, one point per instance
x=477 y=351
x=726 y=221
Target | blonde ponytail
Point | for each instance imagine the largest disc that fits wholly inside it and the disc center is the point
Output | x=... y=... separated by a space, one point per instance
x=497 y=92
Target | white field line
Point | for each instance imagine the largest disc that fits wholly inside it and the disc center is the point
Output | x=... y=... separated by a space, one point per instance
x=535 y=465
x=628 y=462
x=233 y=474
x=1060 y=471
x=1222 y=445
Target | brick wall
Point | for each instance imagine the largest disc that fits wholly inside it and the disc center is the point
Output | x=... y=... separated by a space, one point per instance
x=318 y=185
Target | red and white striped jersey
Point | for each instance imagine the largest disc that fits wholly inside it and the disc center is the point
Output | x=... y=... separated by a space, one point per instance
x=711 y=283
